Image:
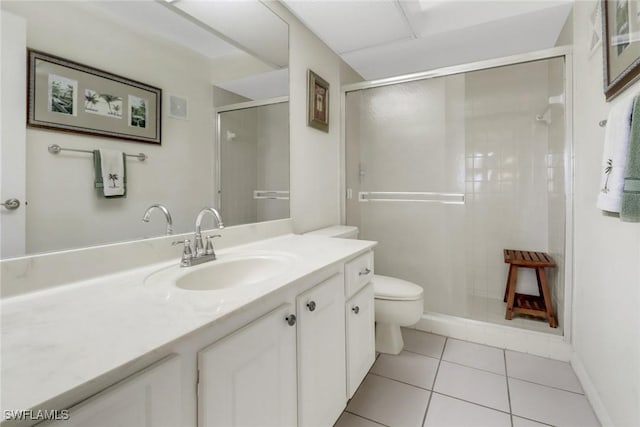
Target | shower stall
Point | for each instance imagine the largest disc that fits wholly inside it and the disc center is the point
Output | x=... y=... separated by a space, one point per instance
x=447 y=168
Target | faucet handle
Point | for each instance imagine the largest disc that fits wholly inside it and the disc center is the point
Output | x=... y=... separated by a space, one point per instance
x=209 y=246
x=187 y=254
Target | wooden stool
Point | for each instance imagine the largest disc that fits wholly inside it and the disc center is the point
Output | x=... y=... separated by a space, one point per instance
x=539 y=306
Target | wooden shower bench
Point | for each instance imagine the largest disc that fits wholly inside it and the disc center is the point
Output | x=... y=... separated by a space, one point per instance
x=538 y=306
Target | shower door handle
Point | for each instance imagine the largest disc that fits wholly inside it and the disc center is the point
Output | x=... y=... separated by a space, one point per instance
x=11 y=204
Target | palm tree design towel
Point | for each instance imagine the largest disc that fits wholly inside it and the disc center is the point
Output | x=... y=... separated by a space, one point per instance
x=614 y=159
x=110 y=171
x=630 y=211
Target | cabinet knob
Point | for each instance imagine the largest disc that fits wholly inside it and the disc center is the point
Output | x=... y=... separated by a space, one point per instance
x=364 y=272
x=311 y=305
x=291 y=319
x=356 y=309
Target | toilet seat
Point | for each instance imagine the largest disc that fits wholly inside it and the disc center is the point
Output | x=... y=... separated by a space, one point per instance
x=394 y=289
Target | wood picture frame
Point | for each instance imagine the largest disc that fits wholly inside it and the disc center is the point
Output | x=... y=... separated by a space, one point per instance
x=620 y=45
x=66 y=96
x=318 y=102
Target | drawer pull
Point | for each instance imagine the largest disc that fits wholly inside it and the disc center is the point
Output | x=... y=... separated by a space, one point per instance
x=364 y=272
x=311 y=305
x=291 y=319
x=356 y=309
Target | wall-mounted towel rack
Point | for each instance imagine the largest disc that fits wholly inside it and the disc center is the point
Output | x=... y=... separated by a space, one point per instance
x=602 y=123
x=271 y=194
x=55 y=149
x=411 y=196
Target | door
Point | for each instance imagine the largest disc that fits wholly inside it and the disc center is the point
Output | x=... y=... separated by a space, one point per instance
x=321 y=353
x=249 y=378
x=150 y=398
x=13 y=134
x=361 y=352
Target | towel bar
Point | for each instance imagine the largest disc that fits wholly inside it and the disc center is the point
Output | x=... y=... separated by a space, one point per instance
x=271 y=194
x=55 y=149
x=411 y=196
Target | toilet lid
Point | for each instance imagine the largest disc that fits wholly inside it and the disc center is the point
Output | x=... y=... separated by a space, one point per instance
x=391 y=288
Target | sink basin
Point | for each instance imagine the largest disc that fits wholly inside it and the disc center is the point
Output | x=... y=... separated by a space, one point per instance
x=232 y=273
x=224 y=273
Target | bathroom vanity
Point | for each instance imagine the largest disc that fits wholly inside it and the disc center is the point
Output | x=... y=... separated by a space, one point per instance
x=282 y=335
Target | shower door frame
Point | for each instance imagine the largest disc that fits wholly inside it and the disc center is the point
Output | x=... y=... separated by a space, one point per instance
x=564 y=52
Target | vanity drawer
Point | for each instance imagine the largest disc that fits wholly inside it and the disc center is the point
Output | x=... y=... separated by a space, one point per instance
x=358 y=273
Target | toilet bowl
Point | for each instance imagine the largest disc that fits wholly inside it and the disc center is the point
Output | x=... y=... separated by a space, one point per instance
x=397 y=302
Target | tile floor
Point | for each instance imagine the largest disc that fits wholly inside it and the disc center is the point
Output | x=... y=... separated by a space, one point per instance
x=443 y=382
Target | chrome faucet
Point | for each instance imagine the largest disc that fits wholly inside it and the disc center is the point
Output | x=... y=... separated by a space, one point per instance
x=200 y=253
x=165 y=211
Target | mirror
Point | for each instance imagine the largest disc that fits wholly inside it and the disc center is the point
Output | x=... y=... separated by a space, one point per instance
x=253 y=161
x=204 y=55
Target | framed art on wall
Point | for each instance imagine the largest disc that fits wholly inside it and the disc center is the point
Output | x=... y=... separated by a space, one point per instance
x=71 y=97
x=318 y=102
x=620 y=45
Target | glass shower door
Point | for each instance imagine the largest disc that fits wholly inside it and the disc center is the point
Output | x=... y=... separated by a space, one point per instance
x=405 y=177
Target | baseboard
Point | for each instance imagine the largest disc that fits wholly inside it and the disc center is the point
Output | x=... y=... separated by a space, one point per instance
x=508 y=337
x=590 y=391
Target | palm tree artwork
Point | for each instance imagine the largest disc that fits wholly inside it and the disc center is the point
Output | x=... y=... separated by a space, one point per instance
x=90 y=99
x=61 y=99
x=113 y=177
x=607 y=172
x=110 y=99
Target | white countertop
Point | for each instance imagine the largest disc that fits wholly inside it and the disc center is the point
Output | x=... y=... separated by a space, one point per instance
x=56 y=340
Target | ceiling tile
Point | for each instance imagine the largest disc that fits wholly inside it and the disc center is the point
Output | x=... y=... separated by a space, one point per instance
x=510 y=36
x=351 y=25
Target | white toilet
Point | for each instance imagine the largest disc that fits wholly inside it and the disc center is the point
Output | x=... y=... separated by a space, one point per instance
x=397 y=302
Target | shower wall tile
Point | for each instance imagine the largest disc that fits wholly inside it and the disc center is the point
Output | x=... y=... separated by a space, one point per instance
x=510 y=173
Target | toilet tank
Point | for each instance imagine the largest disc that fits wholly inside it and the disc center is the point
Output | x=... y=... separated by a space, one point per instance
x=342 y=231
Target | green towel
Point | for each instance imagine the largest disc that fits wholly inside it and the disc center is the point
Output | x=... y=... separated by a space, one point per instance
x=99 y=181
x=630 y=211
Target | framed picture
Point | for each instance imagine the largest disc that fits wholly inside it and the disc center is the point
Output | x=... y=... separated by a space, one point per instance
x=71 y=97
x=621 y=45
x=318 y=108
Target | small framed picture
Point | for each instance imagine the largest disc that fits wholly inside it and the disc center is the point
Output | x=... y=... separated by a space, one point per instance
x=621 y=45
x=71 y=97
x=318 y=105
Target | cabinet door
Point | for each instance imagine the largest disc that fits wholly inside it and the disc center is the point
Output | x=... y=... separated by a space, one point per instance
x=249 y=378
x=321 y=353
x=150 y=398
x=359 y=312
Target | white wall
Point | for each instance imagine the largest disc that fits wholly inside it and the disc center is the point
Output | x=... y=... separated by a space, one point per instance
x=315 y=166
x=606 y=325
x=58 y=185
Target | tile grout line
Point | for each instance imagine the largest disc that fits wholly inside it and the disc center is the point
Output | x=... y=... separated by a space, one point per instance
x=546 y=385
x=472 y=403
x=420 y=354
x=473 y=367
x=398 y=381
x=506 y=378
x=365 y=418
x=426 y=411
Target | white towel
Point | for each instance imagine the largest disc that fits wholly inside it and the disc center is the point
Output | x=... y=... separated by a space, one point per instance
x=112 y=165
x=614 y=158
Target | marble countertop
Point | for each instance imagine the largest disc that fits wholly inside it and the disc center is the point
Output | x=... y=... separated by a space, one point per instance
x=59 y=339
